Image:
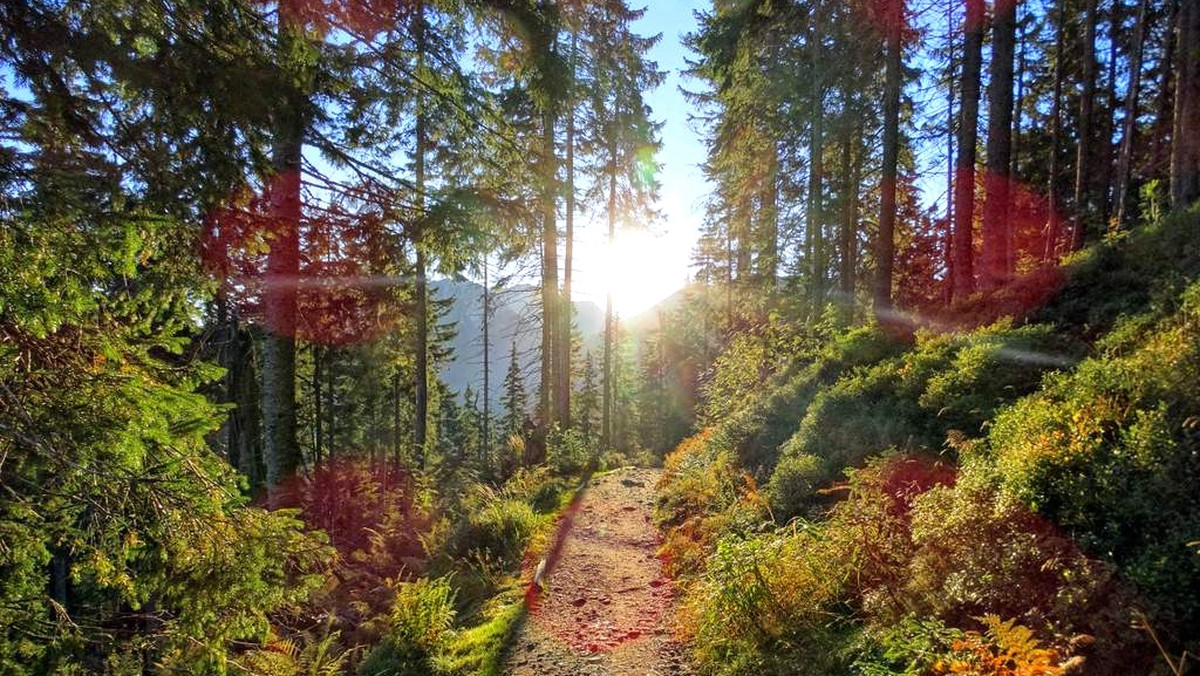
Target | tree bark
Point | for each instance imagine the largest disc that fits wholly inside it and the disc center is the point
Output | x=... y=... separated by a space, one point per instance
x=768 y=265
x=851 y=176
x=318 y=358
x=606 y=424
x=885 y=245
x=1129 y=128
x=968 y=139
x=421 y=375
x=1054 y=217
x=1084 y=153
x=487 y=363
x=997 y=182
x=567 y=309
x=816 y=167
x=1185 y=138
x=281 y=450
x=948 y=250
x=550 y=292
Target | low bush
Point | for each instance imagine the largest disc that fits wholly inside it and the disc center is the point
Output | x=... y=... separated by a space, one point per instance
x=1111 y=453
x=947 y=382
x=415 y=632
x=568 y=453
x=928 y=647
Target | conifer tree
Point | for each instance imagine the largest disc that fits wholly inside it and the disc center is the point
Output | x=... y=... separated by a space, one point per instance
x=514 y=399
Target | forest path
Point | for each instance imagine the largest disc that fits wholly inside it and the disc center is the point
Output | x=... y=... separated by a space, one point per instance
x=606 y=607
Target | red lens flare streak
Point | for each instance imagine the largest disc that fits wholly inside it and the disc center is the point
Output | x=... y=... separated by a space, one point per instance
x=339 y=296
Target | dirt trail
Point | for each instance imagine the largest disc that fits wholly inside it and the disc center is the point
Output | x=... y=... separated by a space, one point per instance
x=606 y=607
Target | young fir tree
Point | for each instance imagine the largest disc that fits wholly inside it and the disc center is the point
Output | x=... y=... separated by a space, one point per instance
x=514 y=400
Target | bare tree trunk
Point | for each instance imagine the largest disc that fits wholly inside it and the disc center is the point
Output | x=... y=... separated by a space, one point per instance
x=487 y=363
x=248 y=417
x=968 y=140
x=1014 y=168
x=851 y=171
x=1107 y=123
x=318 y=358
x=567 y=309
x=550 y=290
x=1164 y=115
x=1129 y=128
x=1185 y=139
x=769 y=215
x=816 y=166
x=1054 y=217
x=1084 y=154
x=885 y=244
x=948 y=251
x=281 y=450
x=606 y=425
x=421 y=361
x=997 y=188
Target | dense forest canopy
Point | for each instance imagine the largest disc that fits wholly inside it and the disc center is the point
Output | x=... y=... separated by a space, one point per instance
x=927 y=403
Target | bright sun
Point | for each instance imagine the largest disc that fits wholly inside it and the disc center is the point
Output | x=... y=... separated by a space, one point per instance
x=638 y=268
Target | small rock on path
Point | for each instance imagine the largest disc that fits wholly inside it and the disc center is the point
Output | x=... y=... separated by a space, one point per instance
x=607 y=607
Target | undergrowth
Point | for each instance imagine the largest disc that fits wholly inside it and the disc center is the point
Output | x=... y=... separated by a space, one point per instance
x=996 y=500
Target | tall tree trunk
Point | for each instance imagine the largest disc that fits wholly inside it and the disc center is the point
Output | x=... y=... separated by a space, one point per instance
x=550 y=292
x=816 y=167
x=318 y=448
x=397 y=437
x=331 y=406
x=1129 y=128
x=280 y=447
x=951 y=65
x=1083 y=157
x=1014 y=166
x=1106 y=182
x=885 y=244
x=248 y=417
x=1053 y=188
x=768 y=265
x=851 y=170
x=228 y=359
x=997 y=183
x=567 y=308
x=968 y=140
x=1185 y=138
x=1164 y=115
x=487 y=363
x=606 y=424
x=421 y=361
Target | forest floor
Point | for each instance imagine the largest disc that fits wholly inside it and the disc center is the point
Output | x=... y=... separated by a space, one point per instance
x=605 y=607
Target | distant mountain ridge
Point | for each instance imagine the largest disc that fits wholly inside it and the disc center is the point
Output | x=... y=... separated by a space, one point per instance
x=515 y=318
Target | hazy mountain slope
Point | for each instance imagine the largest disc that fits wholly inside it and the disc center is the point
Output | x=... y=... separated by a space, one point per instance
x=515 y=317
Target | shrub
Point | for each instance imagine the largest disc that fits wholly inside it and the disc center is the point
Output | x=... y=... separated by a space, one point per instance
x=754 y=429
x=1145 y=269
x=501 y=529
x=974 y=375
x=771 y=604
x=416 y=630
x=946 y=382
x=928 y=647
x=977 y=551
x=1111 y=453
x=794 y=484
x=533 y=485
x=568 y=454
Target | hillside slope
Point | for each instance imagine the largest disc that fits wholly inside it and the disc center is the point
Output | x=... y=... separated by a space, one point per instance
x=1025 y=493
